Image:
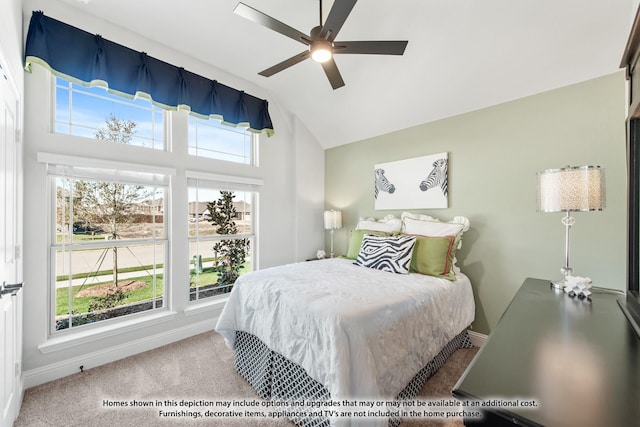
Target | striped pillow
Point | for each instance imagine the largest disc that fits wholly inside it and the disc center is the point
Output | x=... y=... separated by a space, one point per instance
x=387 y=253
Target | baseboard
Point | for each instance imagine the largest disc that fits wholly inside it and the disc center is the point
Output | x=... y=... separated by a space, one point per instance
x=54 y=371
x=477 y=339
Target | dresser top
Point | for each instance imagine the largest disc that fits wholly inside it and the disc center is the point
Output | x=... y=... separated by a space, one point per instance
x=579 y=360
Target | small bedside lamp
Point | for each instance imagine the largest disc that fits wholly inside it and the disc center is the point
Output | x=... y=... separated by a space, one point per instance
x=332 y=221
x=571 y=189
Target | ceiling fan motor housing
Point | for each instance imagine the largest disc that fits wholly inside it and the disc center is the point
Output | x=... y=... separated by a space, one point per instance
x=320 y=48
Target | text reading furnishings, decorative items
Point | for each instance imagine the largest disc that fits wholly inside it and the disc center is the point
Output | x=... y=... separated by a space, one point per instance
x=418 y=183
x=332 y=222
x=570 y=189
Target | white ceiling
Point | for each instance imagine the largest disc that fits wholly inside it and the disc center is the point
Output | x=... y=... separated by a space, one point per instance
x=462 y=54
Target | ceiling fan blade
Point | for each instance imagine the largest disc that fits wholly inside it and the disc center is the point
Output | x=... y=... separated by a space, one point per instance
x=285 y=64
x=256 y=16
x=331 y=70
x=371 y=47
x=337 y=15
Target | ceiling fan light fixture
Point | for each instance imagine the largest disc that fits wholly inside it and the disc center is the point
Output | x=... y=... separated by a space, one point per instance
x=321 y=52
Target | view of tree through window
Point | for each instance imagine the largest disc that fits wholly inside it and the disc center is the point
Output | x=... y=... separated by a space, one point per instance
x=221 y=239
x=81 y=111
x=110 y=243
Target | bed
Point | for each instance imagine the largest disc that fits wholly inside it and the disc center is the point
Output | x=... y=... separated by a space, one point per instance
x=334 y=329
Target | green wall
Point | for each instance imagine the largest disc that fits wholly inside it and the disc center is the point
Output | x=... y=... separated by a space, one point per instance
x=494 y=154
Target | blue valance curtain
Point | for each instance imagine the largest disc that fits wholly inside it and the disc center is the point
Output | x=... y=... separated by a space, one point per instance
x=89 y=59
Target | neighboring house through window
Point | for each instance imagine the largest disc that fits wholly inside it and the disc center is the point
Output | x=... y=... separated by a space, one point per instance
x=108 y=249
x=222 y=232
x=110 y=243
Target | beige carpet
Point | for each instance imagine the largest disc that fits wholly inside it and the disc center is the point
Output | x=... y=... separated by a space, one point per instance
x=194 y=369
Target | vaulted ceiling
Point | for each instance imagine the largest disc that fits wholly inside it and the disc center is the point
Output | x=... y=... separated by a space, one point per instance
x=462 y=55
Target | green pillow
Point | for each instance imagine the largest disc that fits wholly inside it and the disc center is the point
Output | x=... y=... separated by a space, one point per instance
x=356 y=241
x=434 y=256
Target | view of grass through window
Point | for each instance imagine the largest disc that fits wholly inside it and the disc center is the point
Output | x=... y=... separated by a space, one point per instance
x=109 y=250
x=220 y=239
x=110 y=246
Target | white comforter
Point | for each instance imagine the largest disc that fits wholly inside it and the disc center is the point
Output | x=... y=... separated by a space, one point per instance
x=362 y=333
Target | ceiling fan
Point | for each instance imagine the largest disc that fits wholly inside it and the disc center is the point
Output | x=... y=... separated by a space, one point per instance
x=321 y=40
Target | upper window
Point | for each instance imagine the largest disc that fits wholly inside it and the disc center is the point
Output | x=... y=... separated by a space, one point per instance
x=214 y=140
x=92 y=112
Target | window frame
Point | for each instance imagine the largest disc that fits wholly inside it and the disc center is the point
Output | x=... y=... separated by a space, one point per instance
x=216 y=182
x=254 y=141
x=114 y=97
x=57 y=166
x=60 y=150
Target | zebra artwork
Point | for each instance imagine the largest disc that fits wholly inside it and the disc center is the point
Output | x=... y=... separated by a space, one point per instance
x=382 y=183
x=437 y=177
x=406 y=186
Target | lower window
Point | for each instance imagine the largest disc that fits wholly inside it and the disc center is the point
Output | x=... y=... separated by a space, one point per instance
x=221 y=239
x=109 y=250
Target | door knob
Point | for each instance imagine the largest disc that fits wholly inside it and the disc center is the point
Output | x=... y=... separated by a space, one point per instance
x=10 y=288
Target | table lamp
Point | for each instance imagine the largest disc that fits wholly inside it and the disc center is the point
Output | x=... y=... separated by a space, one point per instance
x=570 y=189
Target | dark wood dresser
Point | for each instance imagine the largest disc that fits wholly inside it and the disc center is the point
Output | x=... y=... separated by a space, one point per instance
x=577 y=360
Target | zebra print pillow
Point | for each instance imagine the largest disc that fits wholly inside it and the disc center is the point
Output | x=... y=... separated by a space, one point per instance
x=387 y=253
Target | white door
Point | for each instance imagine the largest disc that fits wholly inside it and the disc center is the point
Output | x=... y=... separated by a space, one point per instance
x=10 y=236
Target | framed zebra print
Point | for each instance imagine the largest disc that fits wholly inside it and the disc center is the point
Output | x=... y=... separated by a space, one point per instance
x=417 y=183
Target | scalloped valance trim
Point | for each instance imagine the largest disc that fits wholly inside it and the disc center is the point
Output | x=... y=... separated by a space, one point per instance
x=90 y=60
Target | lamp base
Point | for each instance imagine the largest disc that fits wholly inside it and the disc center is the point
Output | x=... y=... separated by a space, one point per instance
x=559 y=284
x=566 y=272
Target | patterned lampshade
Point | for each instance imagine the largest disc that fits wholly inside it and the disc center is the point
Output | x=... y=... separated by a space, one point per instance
x=577 y=188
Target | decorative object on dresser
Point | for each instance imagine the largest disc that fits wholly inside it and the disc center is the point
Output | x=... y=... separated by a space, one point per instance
x=332 y=222
x=570 y=189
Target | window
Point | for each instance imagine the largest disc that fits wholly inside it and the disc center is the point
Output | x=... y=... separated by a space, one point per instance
x=95 y=113
x=221 y=235
x=214 y=140
x=112 y=238
x=109 y=245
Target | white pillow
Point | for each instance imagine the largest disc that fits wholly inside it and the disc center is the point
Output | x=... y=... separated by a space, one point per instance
x=388 y=224
x=429 y=226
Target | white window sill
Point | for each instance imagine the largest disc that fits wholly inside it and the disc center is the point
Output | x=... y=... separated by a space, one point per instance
x=206 y=307
x=83 y=336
